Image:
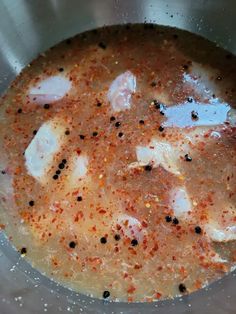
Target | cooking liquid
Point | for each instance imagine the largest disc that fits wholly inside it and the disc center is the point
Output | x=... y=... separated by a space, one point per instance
x=118 y=162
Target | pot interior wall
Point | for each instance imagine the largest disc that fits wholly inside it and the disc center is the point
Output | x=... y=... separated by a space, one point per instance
x=28 y=27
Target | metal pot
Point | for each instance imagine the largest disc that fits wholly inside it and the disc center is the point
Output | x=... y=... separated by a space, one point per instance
x=28 y=27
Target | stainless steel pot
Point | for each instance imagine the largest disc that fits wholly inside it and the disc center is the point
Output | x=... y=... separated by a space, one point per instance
x=28 y=27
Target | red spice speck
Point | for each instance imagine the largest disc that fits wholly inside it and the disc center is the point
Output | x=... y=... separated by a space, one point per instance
x=131 y=289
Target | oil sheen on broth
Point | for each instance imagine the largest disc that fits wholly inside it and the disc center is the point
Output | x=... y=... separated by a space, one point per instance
x=118 y=163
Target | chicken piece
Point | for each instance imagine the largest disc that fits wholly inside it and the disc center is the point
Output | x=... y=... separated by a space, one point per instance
x=201 y=78
x=43 y=148
x=121 y=90
x=196 y=114
x=78 y=168
x=218 y=233
x=231 y=117
x=180 y=202
x=129 y=227
x=50 y=90
x=158 y=153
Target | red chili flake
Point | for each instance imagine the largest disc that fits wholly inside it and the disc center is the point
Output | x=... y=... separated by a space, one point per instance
x=79 y=215
x=132 y=251
x=118 y=227
x=158 y=295
x=144 y=224
x=102 y=211
x=94 y=228
x=131 y=289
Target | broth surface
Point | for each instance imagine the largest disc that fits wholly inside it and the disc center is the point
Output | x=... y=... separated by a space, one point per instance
x=118 y=162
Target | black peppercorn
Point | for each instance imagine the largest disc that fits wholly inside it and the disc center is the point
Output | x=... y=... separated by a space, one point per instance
x=187 y=157
x=106 y=294
x=117 y=237
x=23 y=251
x=55 y=177
x=194 y=115
x=61 y=165
x=46 y=106
x=102 y=45
x=198 y=229
x=72 y=244
x=148 y=167
x=182 y=288
x=175 y=221
x=103 y=240
x=168 y=218
x=67 y=132
x=134 y=242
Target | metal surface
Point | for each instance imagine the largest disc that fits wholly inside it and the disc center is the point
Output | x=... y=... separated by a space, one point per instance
x=28 y=27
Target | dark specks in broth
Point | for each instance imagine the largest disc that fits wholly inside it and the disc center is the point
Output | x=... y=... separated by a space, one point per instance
x=111 y=196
